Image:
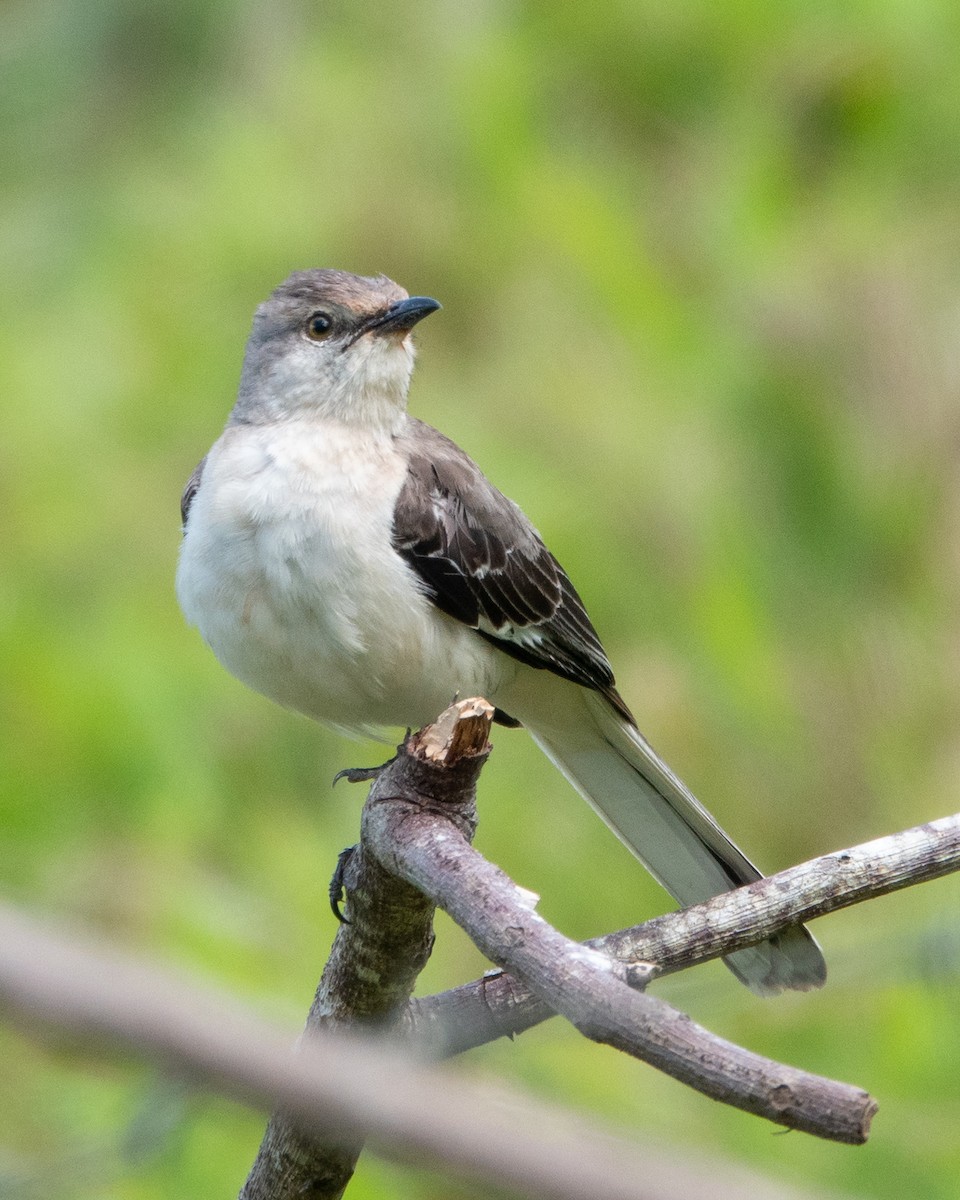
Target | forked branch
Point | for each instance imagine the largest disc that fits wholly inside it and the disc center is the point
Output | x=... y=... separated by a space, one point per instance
x=415 y=853
x=502 y=1006
x=599 y=994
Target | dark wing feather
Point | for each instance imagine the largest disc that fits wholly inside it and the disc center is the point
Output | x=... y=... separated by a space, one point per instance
x=193 y=483
x=482 y=562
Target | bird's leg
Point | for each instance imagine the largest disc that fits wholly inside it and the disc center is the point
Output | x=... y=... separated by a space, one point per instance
x=337 y=890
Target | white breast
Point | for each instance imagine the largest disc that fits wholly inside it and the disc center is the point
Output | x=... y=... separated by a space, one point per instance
x=288 y=572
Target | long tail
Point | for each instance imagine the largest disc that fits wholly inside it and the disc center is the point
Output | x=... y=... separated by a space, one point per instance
x=608 y=761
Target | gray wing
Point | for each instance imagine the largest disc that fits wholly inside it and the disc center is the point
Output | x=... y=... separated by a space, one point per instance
x=193 y=483
x=482 y=562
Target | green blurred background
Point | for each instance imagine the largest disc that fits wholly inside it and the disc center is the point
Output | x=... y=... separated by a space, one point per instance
x=700 y=267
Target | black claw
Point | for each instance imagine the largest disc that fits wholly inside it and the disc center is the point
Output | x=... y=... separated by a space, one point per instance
x=356 y=775
x=362 y=774
x=337 y=890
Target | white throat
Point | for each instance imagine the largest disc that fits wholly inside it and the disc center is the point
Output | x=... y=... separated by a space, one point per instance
x=372 y=389
x=364 y=386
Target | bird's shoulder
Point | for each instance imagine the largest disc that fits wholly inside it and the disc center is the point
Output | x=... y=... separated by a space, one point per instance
x=446 y=496
x=483 y=562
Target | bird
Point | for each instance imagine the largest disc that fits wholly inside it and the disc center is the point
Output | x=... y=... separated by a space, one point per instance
x=350 y=562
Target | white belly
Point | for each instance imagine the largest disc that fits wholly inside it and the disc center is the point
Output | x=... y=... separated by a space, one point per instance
x=285 y=571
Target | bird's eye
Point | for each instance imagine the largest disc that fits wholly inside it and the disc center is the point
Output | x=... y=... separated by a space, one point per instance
x=319 y=326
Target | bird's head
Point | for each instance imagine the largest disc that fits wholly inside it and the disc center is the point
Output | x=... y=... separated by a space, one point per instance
x=331 y=343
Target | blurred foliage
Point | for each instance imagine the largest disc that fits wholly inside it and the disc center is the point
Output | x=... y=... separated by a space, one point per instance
x=701 y=274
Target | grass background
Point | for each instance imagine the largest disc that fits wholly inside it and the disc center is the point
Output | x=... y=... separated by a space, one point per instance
x=700 y=267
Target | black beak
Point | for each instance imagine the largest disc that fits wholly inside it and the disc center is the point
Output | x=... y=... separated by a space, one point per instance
x=403 y=315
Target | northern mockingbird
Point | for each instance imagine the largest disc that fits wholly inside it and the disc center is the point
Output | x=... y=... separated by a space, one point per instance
x=348 y=561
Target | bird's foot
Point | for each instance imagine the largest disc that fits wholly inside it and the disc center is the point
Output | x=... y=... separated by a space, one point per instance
x=358 y=774
x=366 y=774
x=337 y=890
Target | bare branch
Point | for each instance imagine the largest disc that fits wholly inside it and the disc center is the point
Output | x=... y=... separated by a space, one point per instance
x=378 y=954
x=592 y=990
x=415 y=851
x=502 y=1006
x=337 y=1087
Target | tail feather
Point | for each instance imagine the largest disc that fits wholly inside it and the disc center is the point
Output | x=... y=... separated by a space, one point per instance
x=612 y=766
